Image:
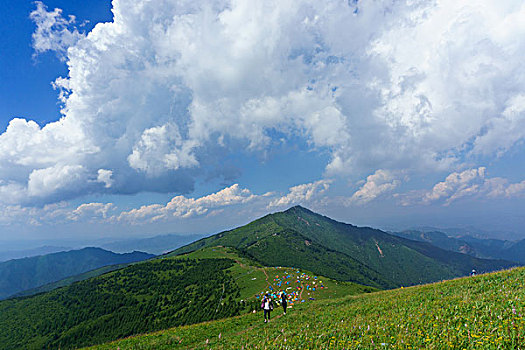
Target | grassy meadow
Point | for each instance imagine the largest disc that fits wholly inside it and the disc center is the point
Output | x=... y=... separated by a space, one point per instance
x=253 y=279
x=481 y=312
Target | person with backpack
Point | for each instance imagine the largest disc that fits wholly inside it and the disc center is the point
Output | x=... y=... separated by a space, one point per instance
x=267 y=306
x=283 y=302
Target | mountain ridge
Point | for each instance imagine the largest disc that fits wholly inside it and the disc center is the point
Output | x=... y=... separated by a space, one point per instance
x=27 y=253
x=400 y=261
x=19 y=275
x=157 y=245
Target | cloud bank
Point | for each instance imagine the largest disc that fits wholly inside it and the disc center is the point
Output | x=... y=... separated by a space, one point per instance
x=182 y=207
x=178 y=208
x=465 y=184
x=153 y=96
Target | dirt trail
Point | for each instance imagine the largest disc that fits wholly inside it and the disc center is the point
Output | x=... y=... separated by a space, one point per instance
x=267 y=281
x=274 y=318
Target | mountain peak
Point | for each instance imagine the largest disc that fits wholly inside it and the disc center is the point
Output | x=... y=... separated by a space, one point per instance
x=296 y=208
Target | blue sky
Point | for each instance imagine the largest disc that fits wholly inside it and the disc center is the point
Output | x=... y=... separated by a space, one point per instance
x=26 y=80
x=132 y=118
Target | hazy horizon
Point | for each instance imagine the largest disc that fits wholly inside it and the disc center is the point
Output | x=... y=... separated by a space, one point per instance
x=86 y=241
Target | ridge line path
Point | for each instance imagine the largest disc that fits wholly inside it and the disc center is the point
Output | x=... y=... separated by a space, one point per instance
x=276 y=317
x=266 y=274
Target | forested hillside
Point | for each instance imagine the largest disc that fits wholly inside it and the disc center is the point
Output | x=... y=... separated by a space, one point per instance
x=23 y=274
x=143 y=297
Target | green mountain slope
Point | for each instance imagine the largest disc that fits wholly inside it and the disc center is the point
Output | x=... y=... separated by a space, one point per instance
x=272 y=244
x=344 y=251
x=482 y=312
x=70 y=280
x=24 y=274
x=156 y=294
x=289 y=248
x=142 y=297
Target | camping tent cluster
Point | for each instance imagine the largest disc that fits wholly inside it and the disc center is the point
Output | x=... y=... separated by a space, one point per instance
x=294 y=284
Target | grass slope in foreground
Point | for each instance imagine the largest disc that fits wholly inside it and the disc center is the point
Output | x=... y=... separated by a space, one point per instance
x=482 y=312
x=148 y=296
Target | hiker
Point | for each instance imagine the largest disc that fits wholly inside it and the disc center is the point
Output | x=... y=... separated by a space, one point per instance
x=267 y=306
x=283 y=302
x=473 y=273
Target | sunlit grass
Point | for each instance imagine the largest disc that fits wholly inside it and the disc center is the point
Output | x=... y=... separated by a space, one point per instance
x=482 y=312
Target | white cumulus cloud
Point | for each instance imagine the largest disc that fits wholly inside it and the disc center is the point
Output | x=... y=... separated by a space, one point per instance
x=301 y=194
x=183 y=207
x=53 y=31
x=104 y=176
x=159 y=93
x=161 y=148
x=91 y=211
x=377 y=184
x=457 y=185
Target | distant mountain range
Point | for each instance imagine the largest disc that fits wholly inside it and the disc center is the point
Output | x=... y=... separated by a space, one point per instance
x=154 y=245
x=299 y=237
x=472 y=231
x=478 y=247
x=26 y=253
x=22 y=274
